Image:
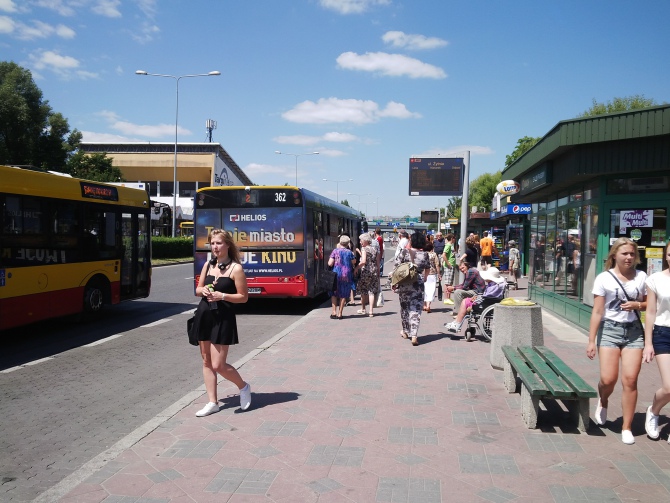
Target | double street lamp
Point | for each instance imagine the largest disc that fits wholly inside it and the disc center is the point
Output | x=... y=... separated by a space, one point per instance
x=296 y=161
x=337 y=182
x=359 y=198
x=176 y=132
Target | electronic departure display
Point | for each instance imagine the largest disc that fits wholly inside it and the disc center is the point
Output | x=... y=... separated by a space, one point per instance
x=436 y=176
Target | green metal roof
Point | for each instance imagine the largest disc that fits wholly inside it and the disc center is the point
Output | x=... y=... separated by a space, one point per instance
x=567 y=134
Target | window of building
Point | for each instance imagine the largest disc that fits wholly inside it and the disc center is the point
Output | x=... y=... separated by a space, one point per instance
x=186 y=189
x=166 y=189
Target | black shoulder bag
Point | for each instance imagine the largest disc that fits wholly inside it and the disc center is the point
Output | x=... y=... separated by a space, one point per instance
x=637 y=314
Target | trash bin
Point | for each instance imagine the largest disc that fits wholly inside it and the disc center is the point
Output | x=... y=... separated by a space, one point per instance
x=515 y=326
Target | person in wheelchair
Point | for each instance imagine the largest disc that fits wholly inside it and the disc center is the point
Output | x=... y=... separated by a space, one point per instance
x=493 y=293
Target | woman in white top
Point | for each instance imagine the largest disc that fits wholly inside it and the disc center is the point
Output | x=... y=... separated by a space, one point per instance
x=619 y=293
x=657 y=340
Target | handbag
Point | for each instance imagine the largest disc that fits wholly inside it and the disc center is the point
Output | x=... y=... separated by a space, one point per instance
x=637 y=315
x=328 y=280
x=192 y=336
x=404 y=274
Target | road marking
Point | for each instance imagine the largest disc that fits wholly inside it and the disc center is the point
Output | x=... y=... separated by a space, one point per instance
x=102 y=341
x=41 y=360
x=155 y=323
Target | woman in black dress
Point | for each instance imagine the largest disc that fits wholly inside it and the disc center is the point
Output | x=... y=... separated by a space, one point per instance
x=222 y=282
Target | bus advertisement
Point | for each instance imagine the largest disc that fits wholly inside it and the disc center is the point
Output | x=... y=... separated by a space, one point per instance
x=285 y=234
x=69 y=245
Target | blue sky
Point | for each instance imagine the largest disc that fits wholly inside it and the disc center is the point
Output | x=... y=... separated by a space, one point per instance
x=366 y=83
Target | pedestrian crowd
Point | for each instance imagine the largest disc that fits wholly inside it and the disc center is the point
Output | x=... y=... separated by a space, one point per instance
x=617 y=334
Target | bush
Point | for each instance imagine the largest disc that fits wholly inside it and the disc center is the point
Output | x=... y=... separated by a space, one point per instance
x=162 y=247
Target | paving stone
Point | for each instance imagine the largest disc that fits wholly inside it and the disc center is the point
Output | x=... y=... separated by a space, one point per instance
x=325 y=371
x=241 y=481
x=497 y=495
x=587 y=494
x=408 y=490
x=354 y=413
x=552 y=443
x=409 y=435
x=324 y=485
x=414 y=399
x=165 y=475
x=494 y=464
x=281 y=429
x=197 y=449
x=364 y=384
x=327 y=455
x=265 y=452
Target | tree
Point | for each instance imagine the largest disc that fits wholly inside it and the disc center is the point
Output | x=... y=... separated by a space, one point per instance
x=634 y=102
x=31 y=133
x=97 y=167
x=483 y=189
x=454 y=207
x=523 y=145
x=345 y=202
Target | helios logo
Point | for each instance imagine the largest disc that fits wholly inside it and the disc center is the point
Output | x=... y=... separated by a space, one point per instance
x=247 y=218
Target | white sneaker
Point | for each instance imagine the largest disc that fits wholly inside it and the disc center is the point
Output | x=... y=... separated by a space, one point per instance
x=651 y=424
x=600 y=416
x=627 y=437
x=245 y=397
x=453 y=327
x=449 y=302
x=208 y=409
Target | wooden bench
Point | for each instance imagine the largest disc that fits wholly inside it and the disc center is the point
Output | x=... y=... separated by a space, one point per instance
x=545 y=376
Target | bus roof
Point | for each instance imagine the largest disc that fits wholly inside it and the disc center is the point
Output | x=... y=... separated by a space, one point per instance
x=28 y=182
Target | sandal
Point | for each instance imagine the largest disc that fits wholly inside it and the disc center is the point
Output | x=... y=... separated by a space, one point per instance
x=361 y=311
x=333 y=316
x=415 y=341
x=371 y=315
x=404 y=335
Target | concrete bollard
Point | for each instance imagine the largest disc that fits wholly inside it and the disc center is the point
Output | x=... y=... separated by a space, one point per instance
x=515 y=326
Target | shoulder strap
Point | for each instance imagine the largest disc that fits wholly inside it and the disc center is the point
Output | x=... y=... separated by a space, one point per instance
x=637 y=315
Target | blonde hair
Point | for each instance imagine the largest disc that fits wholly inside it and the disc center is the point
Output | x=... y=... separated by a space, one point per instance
x=610 y=261
x=233 y=250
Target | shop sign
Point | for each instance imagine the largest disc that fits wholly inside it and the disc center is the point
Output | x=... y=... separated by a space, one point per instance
x=635 y=218
x=536 y=179
x=518 y=209
x=453 y=221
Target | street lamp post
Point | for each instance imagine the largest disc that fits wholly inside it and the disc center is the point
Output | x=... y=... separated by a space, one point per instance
x=337 y=186
x=296 y=161
x=359 y=198
x=176 y=133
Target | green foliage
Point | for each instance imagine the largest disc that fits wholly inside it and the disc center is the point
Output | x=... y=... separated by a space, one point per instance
x=345 y=202
x=523 y=145
x=31 y=133
x=97 y=167
x=483 y=189
x=634 y=102
x=454 y=207
x=162 y=247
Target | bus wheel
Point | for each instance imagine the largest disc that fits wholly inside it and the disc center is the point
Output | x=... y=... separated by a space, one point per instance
x=93 y=297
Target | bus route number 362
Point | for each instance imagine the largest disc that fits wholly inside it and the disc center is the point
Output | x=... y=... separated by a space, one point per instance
x=280 y=197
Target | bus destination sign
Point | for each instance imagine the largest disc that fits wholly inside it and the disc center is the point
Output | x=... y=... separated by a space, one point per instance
x=440 y=176
x=95 y=191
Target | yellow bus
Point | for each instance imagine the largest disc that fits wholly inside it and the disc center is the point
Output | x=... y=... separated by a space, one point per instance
x=186 y=228
x=69 y=246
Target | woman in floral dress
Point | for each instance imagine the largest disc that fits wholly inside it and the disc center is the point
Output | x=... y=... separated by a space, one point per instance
x=342 y=261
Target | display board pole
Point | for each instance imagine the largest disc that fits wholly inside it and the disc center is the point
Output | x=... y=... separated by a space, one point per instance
x=464 y=209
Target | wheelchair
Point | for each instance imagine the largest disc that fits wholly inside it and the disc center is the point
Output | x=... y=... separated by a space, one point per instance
x=479 y=320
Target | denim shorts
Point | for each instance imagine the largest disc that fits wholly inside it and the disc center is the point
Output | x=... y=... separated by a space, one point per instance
x=614 y=334
x=661 y=340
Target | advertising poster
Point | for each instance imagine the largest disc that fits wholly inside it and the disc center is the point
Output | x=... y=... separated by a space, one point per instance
x=205 y=222
x=259 y=264
x=269 y=228
x=635 y=218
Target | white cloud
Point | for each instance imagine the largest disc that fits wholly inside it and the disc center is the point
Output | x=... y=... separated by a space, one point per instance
x=329 y=152
x=389 y=64
x=93 y=137
x=142 y=130
x=351 y=6
x=64 y=31
x=7 y=6
x=335 y=110
x=313 y=140
x=148 y=7
x=268 y=169
x=146 y=33
x=7 y=24
x=84 y=75
x=413 y=42
x=63 y=8
x=107 y=8
x=455 y=151
x=50 y=60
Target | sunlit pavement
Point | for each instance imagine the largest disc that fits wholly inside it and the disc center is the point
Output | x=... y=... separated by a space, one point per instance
x=349 y=411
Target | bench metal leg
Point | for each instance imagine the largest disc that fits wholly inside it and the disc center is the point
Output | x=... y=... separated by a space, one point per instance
x=509 y=376
x=579 y=412
x=529 y=407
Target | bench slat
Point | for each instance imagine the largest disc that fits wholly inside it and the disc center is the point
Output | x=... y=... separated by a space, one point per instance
x=555 y=384
x=580 y=387
x=534 y=385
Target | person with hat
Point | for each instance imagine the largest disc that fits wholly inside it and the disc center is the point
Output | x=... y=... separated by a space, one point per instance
x=342 y=261
x=495 y=288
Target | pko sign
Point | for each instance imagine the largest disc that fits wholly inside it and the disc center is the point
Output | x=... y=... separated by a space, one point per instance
x=519 y=209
